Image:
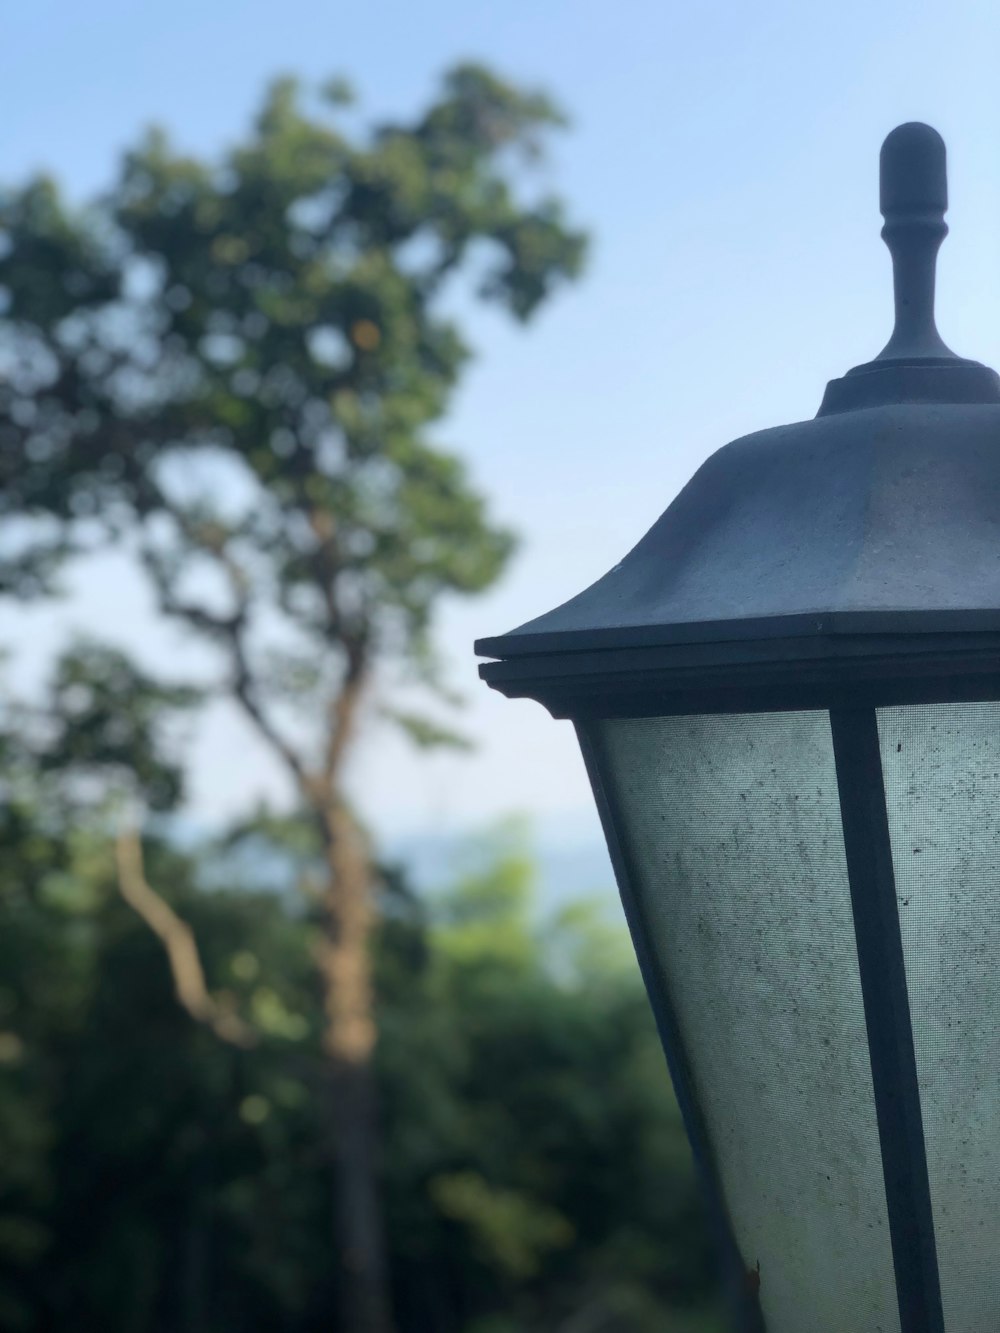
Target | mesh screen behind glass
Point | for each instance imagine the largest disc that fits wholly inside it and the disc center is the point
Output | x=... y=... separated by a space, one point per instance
x=942 y=777
x=737 y=859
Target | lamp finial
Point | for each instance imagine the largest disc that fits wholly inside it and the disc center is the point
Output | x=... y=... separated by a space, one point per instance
x=913 y=200
x=915 y=365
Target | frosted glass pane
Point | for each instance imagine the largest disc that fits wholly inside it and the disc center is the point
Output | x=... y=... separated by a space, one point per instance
x=942 y=776
x=738 y=861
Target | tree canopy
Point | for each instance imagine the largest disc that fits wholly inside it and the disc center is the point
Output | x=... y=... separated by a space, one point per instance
x=279 y=309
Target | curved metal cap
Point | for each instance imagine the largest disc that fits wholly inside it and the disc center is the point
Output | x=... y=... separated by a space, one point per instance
x=881 y=516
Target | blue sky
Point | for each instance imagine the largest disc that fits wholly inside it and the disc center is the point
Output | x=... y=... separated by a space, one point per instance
x=724 y=156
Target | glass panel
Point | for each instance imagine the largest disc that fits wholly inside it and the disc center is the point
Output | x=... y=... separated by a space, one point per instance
x=942 y=778
x=735 y=843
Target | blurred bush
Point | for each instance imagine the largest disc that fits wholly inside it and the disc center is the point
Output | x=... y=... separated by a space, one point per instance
x=156 y=1178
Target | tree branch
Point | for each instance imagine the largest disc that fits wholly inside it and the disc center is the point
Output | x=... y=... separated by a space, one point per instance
x=342 y=714
x=231 y=630
x=243 y=690
x=179 y=943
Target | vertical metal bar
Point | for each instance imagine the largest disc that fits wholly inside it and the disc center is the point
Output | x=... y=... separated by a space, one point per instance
x=742 y=1291
x=887 y=1016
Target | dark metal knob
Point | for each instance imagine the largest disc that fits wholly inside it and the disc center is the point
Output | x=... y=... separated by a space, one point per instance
x=915 y=366
x=914 y=196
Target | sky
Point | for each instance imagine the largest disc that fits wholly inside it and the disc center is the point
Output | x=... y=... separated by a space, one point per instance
x=724 y=157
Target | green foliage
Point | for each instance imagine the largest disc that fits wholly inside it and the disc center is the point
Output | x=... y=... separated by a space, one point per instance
x=107 y=719
x=534 y=1169
x=530 y=1107
x=277 y=314
x=510 y=1230
x=97 y=736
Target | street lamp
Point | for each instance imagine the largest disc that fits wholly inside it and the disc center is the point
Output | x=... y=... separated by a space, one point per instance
x=788 y=700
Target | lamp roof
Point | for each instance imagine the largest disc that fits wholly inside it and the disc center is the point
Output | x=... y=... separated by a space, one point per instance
x=880 y=516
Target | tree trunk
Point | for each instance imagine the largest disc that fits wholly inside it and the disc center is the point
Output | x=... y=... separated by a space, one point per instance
x=364 y=1300
x=349 y=1042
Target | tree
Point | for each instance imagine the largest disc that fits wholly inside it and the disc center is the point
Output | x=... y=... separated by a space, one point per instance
x=236 y=367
